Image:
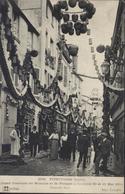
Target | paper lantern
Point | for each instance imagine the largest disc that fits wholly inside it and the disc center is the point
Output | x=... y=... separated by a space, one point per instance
x=72 y=3
x=82 y=4
x=71 y=31
x=100 y=48
x=34 y=53
x=83 y=17
x=64 y=28
x=83 y=28
x=74 y=17
x=63 y=4
x=66 y=17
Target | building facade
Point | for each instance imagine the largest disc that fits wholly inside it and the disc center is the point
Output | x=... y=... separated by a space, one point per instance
x=11 y=107
x=117 y=74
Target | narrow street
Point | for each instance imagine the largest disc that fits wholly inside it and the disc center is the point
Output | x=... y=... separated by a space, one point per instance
x=45 y=167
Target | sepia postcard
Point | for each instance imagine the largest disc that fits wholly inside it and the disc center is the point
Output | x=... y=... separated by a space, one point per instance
x=62 y=75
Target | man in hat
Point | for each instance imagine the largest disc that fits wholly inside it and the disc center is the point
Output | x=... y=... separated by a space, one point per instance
x=83 y=143
x=102 y=152
x=72 y=137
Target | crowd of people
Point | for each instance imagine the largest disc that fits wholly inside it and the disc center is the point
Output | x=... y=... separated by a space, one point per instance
x=65 y=147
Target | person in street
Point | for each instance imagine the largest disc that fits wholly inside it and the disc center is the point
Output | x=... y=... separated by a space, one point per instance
x=15 y=142
x=45 y=140
x=95 y=140
x=72 y=137
x=89 y=154
x=64 y=146
x=83 y=143
x=102 y=152
x=33 y=141
x=54 y=145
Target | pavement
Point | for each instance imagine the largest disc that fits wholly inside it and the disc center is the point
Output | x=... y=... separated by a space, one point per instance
x=42 y=166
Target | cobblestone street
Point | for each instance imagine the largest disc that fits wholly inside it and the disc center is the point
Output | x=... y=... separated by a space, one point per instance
x=45 y=167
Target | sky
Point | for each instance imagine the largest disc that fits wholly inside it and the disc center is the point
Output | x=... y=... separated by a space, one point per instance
x=101 y=26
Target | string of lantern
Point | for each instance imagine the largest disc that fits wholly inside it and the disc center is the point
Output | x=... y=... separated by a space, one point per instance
x=110 y=56
x=74 y=21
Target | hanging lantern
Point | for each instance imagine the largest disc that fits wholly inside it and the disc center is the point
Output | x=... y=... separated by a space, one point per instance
x=34 y=53
x=83 y=28
x=74 y=17
x=100 y=48
x=88 y=32
x=82 y=4
x=83 y=17
x=90 y=41
x=93 y=11
x=66 y=17
x=89 y=7
x=64 y=28
x=63 y=4
x=89 y=15
x=71 y=31
x=92 y=49
x=73 y=50
x=69 y=25
x=57 y=12
x=105 y=67
x=60 y=78
x=72 y=3
x=77 y=25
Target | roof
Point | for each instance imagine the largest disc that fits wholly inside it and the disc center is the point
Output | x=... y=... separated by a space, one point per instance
x=19 y=12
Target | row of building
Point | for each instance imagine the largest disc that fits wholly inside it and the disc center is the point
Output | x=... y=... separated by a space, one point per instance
x=38 y=72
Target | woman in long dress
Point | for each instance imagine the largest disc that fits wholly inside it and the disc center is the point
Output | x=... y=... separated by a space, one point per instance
x=15 y=142
x=64 y=146
x=54 y=138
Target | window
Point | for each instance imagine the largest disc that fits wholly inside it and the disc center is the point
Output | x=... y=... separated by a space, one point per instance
x=35 y=86
x=65 y=76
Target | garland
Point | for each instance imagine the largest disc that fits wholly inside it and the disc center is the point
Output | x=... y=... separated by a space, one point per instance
x=109 y=55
